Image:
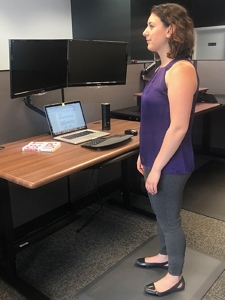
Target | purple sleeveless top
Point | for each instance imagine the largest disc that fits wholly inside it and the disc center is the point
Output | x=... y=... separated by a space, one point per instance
x=155 y=120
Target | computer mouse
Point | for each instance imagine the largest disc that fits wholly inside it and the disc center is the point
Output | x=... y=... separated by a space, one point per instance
x=131 y=131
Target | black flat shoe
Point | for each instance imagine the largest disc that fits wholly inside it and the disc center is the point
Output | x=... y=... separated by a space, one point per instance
x=151 y=290
x=140 y=262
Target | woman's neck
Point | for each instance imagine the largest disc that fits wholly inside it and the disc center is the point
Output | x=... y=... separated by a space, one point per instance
x=165 y=62
x=164 y=59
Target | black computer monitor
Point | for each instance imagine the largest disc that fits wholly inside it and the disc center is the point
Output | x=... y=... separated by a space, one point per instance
x=37 y=66
x=96 y=63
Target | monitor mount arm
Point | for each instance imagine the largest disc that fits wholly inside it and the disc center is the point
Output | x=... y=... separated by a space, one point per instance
x=29 y=104
x=149 y=68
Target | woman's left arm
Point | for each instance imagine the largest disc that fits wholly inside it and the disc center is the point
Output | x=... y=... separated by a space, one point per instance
x=181 y=81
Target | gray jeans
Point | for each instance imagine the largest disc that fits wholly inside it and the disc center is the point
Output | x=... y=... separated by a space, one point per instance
x=166 y=205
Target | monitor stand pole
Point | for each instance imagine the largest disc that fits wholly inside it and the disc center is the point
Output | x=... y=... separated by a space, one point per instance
x=63 y=98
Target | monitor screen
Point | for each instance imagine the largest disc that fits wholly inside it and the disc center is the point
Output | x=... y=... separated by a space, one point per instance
x=92 y=62
x=37 y=66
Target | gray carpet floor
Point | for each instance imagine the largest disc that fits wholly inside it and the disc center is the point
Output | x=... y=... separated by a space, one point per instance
x=65 y=262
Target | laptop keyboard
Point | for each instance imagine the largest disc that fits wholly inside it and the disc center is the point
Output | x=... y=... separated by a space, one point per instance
x=79 y=134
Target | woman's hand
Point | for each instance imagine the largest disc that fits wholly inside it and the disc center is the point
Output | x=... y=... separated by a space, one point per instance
x=152 y=182
x=140 y=167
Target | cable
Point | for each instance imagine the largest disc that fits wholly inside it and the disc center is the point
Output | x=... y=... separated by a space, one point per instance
x=97 y=211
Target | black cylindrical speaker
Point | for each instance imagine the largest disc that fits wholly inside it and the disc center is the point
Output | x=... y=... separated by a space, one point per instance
x=105 y=116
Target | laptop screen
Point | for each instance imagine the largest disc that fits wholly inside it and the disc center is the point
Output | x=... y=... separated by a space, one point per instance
x=65 y=118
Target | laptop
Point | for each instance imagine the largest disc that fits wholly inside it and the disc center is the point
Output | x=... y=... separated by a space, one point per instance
x=67 y=123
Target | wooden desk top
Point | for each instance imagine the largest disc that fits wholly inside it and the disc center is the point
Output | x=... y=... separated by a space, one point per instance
x=34 y=169
x=203 y=107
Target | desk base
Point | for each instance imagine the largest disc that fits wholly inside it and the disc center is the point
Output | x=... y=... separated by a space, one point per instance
x=8 y=271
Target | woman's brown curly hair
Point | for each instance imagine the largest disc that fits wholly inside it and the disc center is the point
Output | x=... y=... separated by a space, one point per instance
x=182 y=40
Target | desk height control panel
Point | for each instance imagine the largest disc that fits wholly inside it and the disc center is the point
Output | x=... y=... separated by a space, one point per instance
x=131 y=113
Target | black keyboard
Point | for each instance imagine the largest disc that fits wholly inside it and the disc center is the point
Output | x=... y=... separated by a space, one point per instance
x=79 y=134
x=113 y=141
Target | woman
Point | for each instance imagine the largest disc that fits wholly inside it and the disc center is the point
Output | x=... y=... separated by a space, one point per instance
x=166 y=155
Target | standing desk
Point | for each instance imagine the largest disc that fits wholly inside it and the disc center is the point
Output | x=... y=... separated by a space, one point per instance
x=34 y=169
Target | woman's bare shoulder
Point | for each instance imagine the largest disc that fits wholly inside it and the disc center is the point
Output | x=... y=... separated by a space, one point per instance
x=182 y=66
x=181 y=69
x=182 y=73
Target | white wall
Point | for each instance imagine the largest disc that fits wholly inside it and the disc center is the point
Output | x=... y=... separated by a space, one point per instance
x=32 y=19
x=212 y=75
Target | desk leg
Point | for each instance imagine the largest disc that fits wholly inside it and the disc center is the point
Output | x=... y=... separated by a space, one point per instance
x=206 y=134
x=8 y=271
x=126 y=172
x=126 y=182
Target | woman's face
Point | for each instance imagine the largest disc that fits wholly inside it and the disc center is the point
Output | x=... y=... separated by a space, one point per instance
x=156 y=34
